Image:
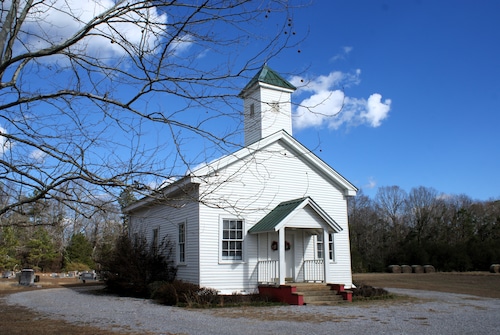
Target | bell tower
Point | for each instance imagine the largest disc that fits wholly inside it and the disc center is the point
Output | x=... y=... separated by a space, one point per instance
x=267 y=103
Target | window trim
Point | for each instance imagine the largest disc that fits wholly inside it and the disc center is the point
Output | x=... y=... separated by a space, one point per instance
x=181 y=260
x=331 y=247
x=155 y=239
x=226 y=259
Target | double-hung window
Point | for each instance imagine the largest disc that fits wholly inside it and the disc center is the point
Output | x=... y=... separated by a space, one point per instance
x=182 y=242
x=319 y=246
x=156 y=233
x=232 y=239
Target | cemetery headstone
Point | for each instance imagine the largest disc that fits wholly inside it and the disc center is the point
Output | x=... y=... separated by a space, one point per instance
x=27 y=277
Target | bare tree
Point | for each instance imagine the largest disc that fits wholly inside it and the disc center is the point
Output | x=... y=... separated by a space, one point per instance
x=422 y=203
x=391 y=205
x=105 y=95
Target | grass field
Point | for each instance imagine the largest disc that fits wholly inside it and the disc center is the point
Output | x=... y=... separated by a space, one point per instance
x=483 y=284
x=21 y=321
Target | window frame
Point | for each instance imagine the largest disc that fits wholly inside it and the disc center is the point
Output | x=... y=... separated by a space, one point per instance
x=252 y=110
x=155 y=240
x=228 y=236
x=181 y=243
x=331 y=247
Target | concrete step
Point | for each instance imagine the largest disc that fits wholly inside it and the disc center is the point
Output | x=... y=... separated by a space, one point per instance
x=318 y=294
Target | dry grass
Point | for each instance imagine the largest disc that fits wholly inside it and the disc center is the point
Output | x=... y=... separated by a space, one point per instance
x=482 y=284
x=18 y=320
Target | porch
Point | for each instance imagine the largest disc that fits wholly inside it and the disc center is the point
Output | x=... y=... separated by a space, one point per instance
x=293 y=240
x=310 y=271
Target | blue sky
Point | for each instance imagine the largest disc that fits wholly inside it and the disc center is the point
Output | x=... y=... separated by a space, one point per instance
x=435 y=65
x=419 y=81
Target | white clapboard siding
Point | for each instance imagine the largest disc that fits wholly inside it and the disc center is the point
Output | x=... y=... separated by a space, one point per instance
x=272 y=112
x=255 y=186
x=166 y=218
x=271 y=168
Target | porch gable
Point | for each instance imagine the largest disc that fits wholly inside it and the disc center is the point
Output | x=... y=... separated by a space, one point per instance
x=285 y=211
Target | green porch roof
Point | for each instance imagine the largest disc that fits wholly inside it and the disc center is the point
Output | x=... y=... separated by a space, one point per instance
x=274 y=217
x=268 y=76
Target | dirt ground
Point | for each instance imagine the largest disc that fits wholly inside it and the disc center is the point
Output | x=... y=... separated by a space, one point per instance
x=22 y=321
x=483 y=284
x=15 y=320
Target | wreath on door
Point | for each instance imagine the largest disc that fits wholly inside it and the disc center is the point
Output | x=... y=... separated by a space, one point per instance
x=274 y=245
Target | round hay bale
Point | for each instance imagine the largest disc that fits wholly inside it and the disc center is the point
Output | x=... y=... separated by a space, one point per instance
x=417 y=269
x=429 y=269
x=394 y=269
x=495 y=268
x=405 y=269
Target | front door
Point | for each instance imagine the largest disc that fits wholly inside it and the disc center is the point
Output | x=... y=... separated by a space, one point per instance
x=290 y=255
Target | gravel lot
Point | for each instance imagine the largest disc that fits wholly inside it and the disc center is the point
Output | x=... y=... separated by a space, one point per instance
x=432 y=313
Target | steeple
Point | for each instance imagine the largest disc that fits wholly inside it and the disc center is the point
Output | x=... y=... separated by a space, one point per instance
x=267 y=105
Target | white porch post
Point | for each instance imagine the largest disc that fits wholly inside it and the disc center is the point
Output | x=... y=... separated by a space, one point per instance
x=326 y=255
x=281 y=255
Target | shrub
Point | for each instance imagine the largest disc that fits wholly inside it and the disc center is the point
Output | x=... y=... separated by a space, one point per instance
x=204 y=297
x=166 y=294
x=183 y=293
x=133 y=265
x=185 y=289
x=363 y=291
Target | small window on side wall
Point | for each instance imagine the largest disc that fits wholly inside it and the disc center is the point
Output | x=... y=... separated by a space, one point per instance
x=156 y=234
x=182 y=243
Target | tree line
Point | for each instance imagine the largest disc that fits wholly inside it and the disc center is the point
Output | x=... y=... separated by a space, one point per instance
x=50 y=237
x=452 y=233
x=422 y=226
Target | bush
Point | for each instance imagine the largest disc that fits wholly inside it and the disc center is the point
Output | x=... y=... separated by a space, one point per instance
x=133 y=265
x=166 y=294
x=363 y=291
x=204 y=297
x=182 y=293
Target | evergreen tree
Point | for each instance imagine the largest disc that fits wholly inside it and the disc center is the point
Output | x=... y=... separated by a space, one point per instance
x=78 y=253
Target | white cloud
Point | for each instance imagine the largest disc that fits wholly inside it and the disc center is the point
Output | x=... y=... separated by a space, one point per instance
x=5 y=144
x=326 y=105
x=376 y=110
x=181 y=44
x=38 y=155
x=54 y=21
x=345 y=52
x=371 y=184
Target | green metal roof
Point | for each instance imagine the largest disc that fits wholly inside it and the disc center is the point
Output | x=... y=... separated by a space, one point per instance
x=274 y=217
x=268 y=76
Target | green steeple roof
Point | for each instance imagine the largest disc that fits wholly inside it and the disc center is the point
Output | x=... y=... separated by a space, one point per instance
x=268 y=76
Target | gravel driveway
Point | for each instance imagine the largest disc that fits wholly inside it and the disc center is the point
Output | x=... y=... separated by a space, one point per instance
x=432 y=313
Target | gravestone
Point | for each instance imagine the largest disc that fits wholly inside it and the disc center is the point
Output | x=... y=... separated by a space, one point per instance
x=27 y=277
x=88 y=276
